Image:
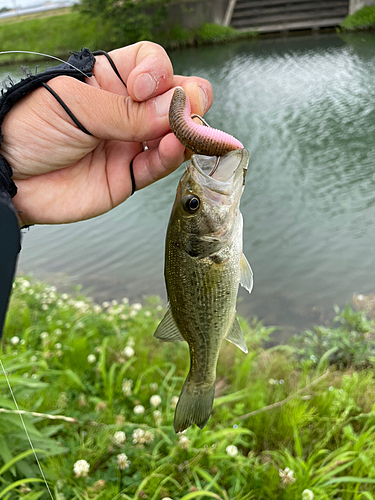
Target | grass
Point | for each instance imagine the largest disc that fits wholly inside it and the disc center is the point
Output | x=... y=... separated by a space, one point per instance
x=288 y=422
x=363 y=19
x=57 y=33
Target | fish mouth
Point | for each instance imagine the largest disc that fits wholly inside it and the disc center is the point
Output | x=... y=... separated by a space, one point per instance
x=222 y=173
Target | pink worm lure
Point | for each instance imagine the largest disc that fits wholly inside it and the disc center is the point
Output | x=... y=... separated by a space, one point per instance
x=200 y=139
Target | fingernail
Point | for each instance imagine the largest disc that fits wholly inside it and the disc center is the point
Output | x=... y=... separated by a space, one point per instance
x=162 y=103
x=203 y=98
x=144 y=86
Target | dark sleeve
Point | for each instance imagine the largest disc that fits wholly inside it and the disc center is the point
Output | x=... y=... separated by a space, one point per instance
x=9 y=249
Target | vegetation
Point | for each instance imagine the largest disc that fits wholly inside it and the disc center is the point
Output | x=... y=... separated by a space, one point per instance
x=99 y=394
x=129 y=21
x=120 y=24
x=363 y=19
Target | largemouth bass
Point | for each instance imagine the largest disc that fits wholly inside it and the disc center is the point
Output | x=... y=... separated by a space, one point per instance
x=204 y=264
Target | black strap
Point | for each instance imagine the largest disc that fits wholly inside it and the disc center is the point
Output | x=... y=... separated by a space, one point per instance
x=113 y=65
x=62 y=103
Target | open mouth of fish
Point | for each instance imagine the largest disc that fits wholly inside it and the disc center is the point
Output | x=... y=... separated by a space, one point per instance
x=221 y=173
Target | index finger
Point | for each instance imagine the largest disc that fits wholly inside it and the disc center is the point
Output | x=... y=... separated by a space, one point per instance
x=144 y=66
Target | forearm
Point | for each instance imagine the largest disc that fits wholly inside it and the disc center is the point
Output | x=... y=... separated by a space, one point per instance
x=9 y=249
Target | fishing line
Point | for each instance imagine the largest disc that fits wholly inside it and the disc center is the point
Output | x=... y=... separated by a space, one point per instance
x=26 y=431
x=41 y=54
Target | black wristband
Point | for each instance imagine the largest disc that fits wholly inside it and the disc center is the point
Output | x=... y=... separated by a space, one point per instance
x=79 y=66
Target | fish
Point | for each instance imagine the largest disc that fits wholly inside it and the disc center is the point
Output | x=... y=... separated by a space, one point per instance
x=204 y=265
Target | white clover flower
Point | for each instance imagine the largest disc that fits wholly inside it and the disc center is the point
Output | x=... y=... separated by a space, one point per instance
x=281 y=382
x=307 y=495
x=167 y=498
x=287 y=476
x=142 y=437
x=59 y=303
x=44 y=335
x=158 y=417
x=159 y=308
x=114 y=302
x=119 y=437
x=128 y=351
x=58 y=345
x=232 y=450
x=105 y=305
x=97 y=309
x=136 y=306
x=138 y=435
x=148 y=437
x=155 y=400
x=81 y=468
x=65 y=296
x=272 y=381
x=133 y=313
x=58 y=332
x=174 y=402
x=125 y=301
x=44 y=307
x=122 y=461
x=148 y=314
x=91 y=358
x=127 y=387
x=33 y=359
x=31 y=291
x=139 y=409
x=183 y=442
x=154 y=386
x=14 y=340
x=360 y=296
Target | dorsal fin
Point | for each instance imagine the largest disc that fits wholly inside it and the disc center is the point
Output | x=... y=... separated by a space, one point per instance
x=168 y=331
x=235 y=336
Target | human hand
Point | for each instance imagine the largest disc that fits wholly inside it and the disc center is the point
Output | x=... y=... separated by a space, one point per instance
x=64 y=175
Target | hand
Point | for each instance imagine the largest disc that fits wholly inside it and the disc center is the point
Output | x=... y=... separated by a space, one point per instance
x=64 y=175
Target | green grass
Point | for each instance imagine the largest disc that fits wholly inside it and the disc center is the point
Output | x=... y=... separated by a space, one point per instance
x=363 y=19
x=55 y=35
x=58 y=34
x=287 y=424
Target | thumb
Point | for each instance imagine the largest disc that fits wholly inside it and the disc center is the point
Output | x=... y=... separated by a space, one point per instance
x=111 y=116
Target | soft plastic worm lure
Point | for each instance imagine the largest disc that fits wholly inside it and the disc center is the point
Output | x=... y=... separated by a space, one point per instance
x=200 y=139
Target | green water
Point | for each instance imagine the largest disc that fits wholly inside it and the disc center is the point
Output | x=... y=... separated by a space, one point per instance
x=305 y=109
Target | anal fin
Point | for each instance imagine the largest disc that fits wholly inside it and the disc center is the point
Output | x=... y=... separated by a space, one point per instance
x=235 y=336
x=168 y=331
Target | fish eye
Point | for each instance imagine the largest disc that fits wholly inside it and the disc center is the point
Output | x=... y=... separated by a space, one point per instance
x=191 y=203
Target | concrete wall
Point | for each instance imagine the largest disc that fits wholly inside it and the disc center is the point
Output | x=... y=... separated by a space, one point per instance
x=355 y=5
x=192 y=14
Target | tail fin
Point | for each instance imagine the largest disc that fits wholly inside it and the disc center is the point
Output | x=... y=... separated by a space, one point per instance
x=194 y=406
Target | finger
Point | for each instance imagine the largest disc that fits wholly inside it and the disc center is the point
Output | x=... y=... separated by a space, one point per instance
x=199 y=91
x=145 y=68
x=110 y=116
x=154 y=164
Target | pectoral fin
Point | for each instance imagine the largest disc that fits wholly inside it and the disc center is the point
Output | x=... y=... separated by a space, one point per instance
x=168 y=331
x=246 y=278
x=235 y=336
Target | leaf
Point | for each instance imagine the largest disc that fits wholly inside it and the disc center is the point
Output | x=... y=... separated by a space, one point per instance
x=74 y=378
x=17 y=458
x=20 y=482
x=348 y=479
x=196 y=494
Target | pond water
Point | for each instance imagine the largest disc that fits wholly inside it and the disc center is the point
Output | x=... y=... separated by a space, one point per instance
x=305 y=109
